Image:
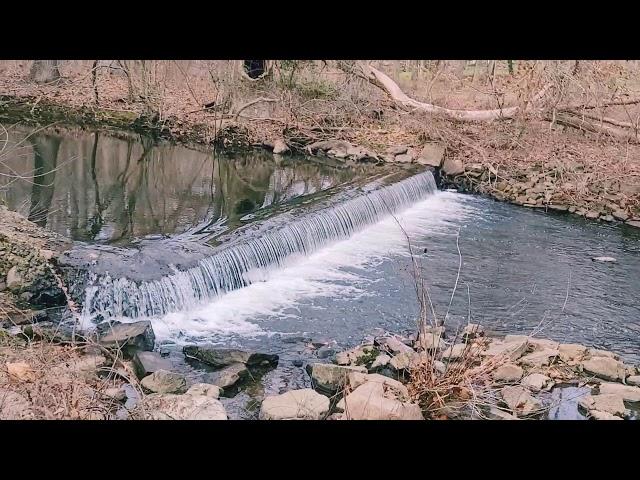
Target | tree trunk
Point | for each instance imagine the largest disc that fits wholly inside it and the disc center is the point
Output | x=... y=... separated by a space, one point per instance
x=44 y=71
x=45 y=151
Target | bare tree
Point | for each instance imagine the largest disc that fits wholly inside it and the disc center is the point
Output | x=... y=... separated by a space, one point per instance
x=44 y=71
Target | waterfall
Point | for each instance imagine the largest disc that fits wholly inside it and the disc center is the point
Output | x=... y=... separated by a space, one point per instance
x=241 y=264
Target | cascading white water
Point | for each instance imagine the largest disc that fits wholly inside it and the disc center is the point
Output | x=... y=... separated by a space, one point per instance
x=239 y=265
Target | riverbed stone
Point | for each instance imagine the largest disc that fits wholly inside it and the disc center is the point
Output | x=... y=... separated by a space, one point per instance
x=595 y=352
x=355 y=356
x=369 y=402
x=231 y=375
x=392 y=387
x=508 y=373
x=473 y=330
x=329 y=379
x=163 y=381
x=604 y=367
x=571 y=351
x=393 y=345
x=537 y=343
x=303 y=404
x=539 y=358
x=138 y=335
x=609 y=403
x=520 y=401
x=536 y=382
x=452 y=167
x=222 y=357
x=633 y=380
x=510 y=350
x=169 y=406
x=205 y=389
x=403 y=158
x=404 y=361
x=146 y=363
x=627 y=392
x=325 y=352
x=598 y=415
x=380 y=362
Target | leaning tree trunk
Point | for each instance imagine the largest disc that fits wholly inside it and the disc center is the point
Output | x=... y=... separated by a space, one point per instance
x=44 y=71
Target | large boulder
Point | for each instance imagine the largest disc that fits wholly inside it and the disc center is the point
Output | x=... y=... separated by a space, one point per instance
x=432 y=155
x=330 y=379
x=163 y=381
x=452 y=167
x=133 y=336
x=369 y=402
x=304 y=404
x=169 y=406
x=229 y=376
x=146 y=363
x=222 y=357
x=520 y=401
x=508 y=373
x=606 y=368
x=627 y=392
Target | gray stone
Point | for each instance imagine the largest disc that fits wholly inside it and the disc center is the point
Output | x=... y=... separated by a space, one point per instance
x=609 y=403
x=328 y=378
x=280 y=147
x=304 y=404
x=397 y=150
x=620 y=215
x=205 y=389
x=394 y=345
x=163 y=381
x=325 y=352
x=354 y=356
x=539 y=359
x=604 y=367
x=380 y=362
x=432 y=155
x=403 y=158
x=368 y=402
x=222 y=357
x=297 y=363
x=627 y=392
x=452 y=167
x=229 y=376
x=145 y=363
x=137 y=334
x=404 y=361
x=520 y=401
x=536 y=382
x=633 y=223
x=183 y=407
x=508 y=373
x=457 y=351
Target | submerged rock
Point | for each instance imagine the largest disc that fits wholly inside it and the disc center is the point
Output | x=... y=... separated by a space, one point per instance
x=163 y=381
x=304 y=404
x=222 y=357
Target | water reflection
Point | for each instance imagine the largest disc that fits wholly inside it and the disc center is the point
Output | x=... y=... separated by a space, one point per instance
x=97 y=188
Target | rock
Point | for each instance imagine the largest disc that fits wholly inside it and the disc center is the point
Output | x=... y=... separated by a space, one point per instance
x=536 y=381
x=14 y=406
x=297 y=363
x=393 y=345
x=355 y=355
x=627 y=392
x=432 y=155
x=168 y=406
x=605 y=368
x=472 y=330
x=607 y=218
x=222 y=357
x=116 y=393
x=511 y=350
x=205 y=389
x=229 y=376
x=398 y=150
x=604 y=259
x=594 y=352
x=14 y=279
x=86 y=366
x=439 y=366
x=325 y=352
x=146 y=363
x=508 y=373
x=620 y=215
x=452 y=167
x=163 y=381
x=571 y=351
x=598 y=415
x=330 y=379
x=497 y=414
x=633 y=223
x=633 y=380
x=49 y=331
x=592 y=215
x=380 y=362
x=539 y=359
x=430 y=341
x=304 y=404
x=404 y=361
x=537 y=343
x=456 y=352
x=391 y=386
x=520 y=401
x=368 y=402
x=31 y=316
x=609 y=403
x=403 y=158
x=280 y=147
x=21 y=371
x=137 y=335
x=319 y=342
